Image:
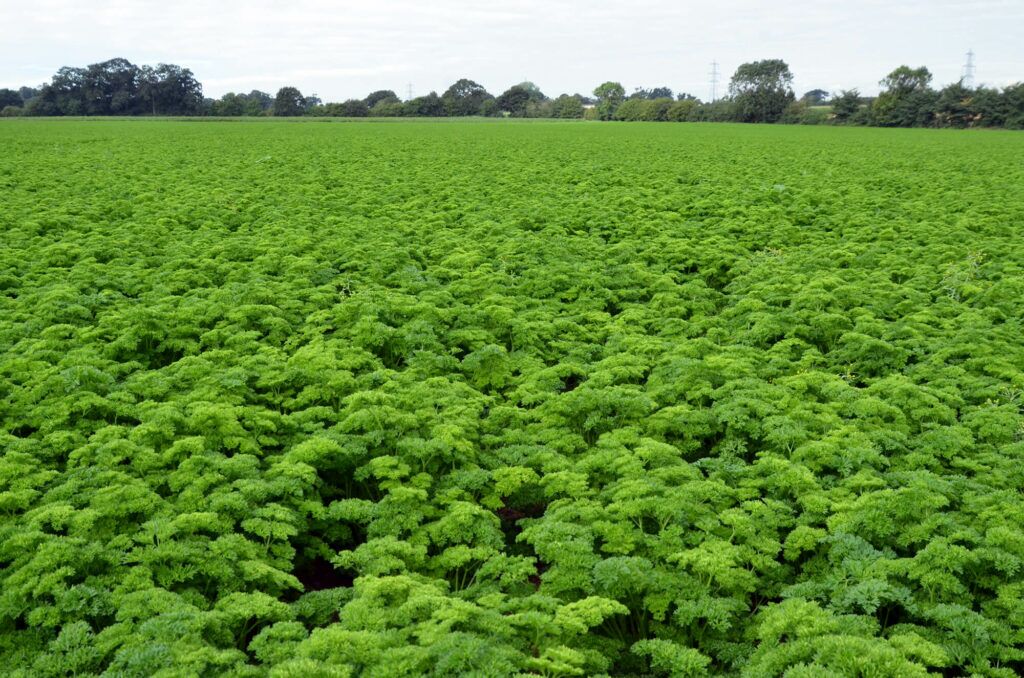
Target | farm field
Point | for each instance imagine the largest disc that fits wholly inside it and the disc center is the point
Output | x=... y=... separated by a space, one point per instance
x=555 y=399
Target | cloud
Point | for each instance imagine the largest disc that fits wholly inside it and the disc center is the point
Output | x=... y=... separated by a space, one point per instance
x=345 y=49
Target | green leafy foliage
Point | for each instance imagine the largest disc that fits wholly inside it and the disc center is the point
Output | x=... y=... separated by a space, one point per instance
x=284 y=399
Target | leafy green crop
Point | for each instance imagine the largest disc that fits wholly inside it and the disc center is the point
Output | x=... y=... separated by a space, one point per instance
x=301 y=399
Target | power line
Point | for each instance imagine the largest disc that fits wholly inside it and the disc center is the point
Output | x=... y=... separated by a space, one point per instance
x=714 y=81
x=968 y=78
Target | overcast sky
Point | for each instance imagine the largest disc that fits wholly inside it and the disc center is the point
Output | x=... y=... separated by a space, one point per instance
x=345 y=49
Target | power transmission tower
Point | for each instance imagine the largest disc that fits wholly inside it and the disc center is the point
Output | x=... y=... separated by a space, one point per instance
x=714 y=81
x=968 y=78
x=408 y=90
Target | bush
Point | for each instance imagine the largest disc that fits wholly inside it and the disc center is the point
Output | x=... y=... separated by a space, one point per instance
x=1014 y=104
x=567 y=107
x=648 y=110
x=630 y=110
x=681 y=111
x=388 y=109
x=718 y=111
x=801 y=113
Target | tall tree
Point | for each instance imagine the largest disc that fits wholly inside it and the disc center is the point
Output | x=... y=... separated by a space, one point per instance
x=230 y=104
x=64 y=95
x=28 y=93
x=9 y=97
x=609 y=97
x=653 y=93
x=289 y=102
x=374 y=98
x=427 y=106
x=568 y=106
x=353 y=108
x=906 y=100
x=845 y=105
x=170 y=89
x=258 y=102
x=953 y=108
x=388 y=108
x=1013 y=104
x=465 y=97
x=815 y=97
x=905 y=80
x=112 y=88
x=761 y=90
x=513 y=101
x=988 y=107
x=536 y=96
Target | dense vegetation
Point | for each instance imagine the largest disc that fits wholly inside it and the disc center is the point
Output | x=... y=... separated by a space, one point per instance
x=760 y=91
x=477 y=399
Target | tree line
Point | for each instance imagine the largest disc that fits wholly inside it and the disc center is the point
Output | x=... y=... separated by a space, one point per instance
x=759 y=91
x=113 y=87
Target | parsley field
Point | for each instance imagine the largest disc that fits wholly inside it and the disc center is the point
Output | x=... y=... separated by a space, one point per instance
x=492 y=399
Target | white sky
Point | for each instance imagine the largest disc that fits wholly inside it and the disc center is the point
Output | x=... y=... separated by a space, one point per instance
x=347 y=48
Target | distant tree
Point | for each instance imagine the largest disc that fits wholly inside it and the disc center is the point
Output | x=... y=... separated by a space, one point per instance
x=682 y=110
x=170 y=89
x=540 y=109
x=63 y=95
x=119 y=87
x=761 y=90
x=9 y=97
x=953 y=107
x=653 y=93
x=686 y=96
x=906 y=99
x=630 y=109
x=230 y=104
x=289 y=102
x=647 y=110
x=42 y=104
x=353 y=108
x=567 y=106
x=311 y=101
x=373 y=98
x=513 y=101
x=489 y=108
x=722 y=110
x=801 y=112
x=815 y=97
x=29 y=93
x=11 y=111
x=112 y=88
x=1013 y=104
x=388 y=108
x=845 y=105
x=656 y=110
x=536 y=96
x=989 y=108
x=610 y=96
x=905 y=80
x=258 y=102
x=465 y=97
x=428 y=106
